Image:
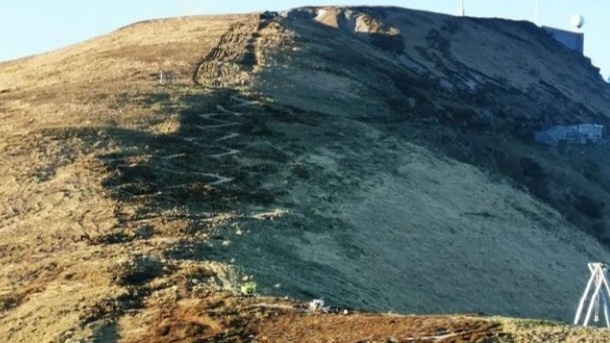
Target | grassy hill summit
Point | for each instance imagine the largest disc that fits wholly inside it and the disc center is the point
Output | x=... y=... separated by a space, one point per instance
x=379 y=158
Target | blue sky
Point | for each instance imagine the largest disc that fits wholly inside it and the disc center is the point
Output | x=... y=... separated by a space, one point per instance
x=33 y=26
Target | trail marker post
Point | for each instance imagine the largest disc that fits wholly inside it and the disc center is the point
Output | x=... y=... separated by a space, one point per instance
x=166 y=77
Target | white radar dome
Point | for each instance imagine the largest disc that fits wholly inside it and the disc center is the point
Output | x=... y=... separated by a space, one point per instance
x=577 y=21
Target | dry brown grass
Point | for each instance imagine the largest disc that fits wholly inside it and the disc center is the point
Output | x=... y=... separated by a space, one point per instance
x=56 y=109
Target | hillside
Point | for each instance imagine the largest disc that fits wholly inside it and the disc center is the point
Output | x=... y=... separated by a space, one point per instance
x=380 y=158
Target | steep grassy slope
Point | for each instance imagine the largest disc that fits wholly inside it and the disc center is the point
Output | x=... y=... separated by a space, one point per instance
x=399 y=221
x=380 y=158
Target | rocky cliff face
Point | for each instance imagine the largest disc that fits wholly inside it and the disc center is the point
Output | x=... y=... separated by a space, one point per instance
x=381 y=158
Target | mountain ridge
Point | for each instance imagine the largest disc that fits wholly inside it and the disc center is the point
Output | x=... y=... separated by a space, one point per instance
x=380 y=158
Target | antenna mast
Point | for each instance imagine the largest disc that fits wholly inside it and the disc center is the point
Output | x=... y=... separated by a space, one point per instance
x=462 y=12
x=537 y=13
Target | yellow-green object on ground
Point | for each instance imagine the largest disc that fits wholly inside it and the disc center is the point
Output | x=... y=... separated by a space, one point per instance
x=248 y=288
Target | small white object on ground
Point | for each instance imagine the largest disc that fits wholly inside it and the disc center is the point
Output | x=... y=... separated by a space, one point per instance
x=317 y=305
